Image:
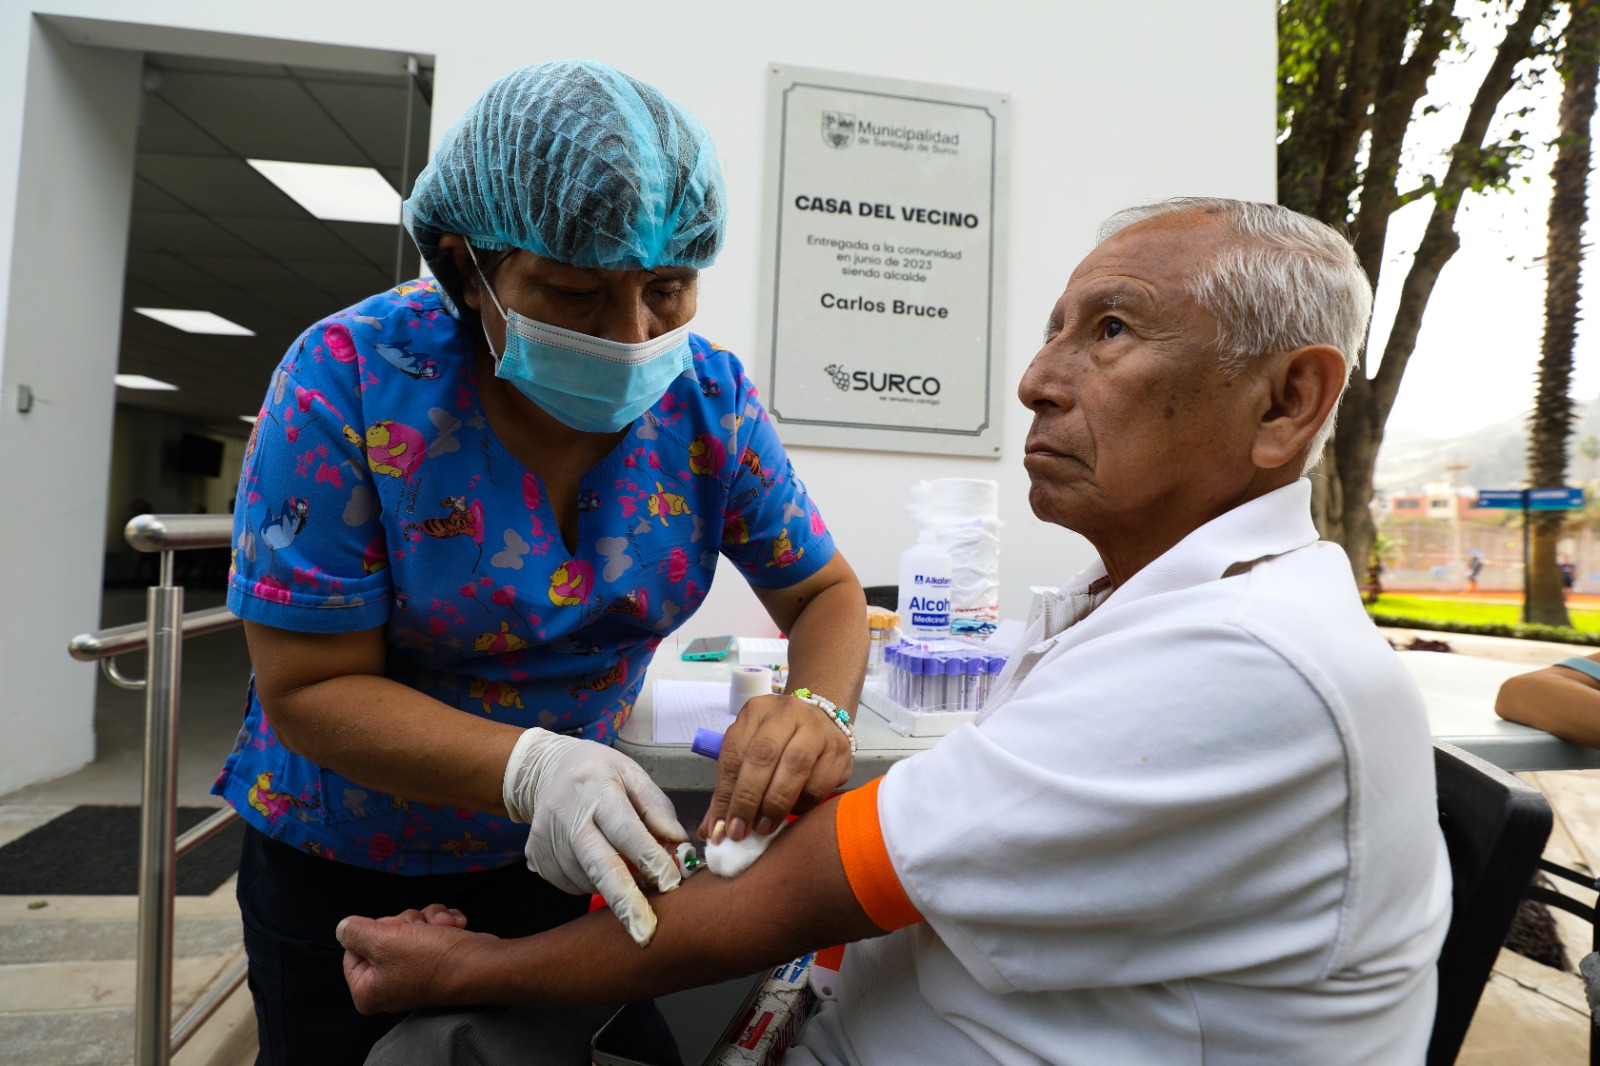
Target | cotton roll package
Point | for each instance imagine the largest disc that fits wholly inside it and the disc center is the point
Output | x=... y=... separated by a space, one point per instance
x=964 y=514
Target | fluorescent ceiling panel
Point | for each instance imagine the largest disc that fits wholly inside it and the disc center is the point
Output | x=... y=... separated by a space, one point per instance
x=195 y=321
x=139 y=381
x=336 y=194
x=249 y=418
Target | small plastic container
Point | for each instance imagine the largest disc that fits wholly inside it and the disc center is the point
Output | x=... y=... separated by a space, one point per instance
x=881 y=627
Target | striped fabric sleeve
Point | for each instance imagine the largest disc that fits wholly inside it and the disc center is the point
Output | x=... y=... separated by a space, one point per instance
x=866 y=860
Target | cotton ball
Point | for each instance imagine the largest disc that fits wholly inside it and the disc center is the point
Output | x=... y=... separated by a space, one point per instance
x=733 y=857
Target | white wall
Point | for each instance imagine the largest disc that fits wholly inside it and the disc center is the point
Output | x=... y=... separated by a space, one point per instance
x=1112 y=103
x=65 y=244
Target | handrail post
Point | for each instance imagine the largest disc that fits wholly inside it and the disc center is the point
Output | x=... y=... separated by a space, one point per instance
x=158 y=821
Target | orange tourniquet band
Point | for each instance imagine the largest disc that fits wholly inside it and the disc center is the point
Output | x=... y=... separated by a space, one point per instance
x=866 y=860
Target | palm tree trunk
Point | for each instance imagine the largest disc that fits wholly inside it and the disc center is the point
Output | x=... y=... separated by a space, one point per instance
x=1551 y=423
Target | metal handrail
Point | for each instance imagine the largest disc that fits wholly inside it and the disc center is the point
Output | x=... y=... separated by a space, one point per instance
x=119 y=640
x=178 y=532
x=161 y=637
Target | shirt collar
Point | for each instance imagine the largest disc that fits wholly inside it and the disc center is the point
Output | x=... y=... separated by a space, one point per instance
x=1271 y=524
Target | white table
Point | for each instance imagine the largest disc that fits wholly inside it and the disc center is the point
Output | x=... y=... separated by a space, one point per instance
x=1459 y=691
x=674 y=766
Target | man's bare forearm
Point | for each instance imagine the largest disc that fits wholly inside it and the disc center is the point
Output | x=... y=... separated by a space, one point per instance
x=795 y=899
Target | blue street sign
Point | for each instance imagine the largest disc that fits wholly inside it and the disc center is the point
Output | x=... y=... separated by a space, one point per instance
x=1556 y=499
x=1562 y=499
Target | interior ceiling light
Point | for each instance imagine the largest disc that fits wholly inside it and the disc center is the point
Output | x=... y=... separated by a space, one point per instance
x=139 y=381
x=249 y=418
x=195 y=321
x=336 y=194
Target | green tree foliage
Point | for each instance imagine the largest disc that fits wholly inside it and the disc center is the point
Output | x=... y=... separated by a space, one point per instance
x=1353 y=75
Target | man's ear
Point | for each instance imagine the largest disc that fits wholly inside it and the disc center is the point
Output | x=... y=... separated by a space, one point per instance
x=455 y=246
x=1305 y=385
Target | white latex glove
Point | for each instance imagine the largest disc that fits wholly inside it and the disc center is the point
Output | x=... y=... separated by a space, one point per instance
x=585 y=804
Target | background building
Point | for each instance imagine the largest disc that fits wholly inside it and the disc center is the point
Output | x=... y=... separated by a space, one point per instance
x=123 y=184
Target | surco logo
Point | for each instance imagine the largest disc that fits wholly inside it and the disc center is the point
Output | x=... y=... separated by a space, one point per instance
x=862 y=381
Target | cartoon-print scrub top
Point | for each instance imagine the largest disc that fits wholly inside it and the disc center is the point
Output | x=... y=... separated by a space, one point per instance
x=374 y=493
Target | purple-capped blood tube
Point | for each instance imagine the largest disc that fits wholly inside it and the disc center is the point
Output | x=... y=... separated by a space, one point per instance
x=996 y=664
x=956 y=682
x=932 y=681
x=707 y=742
x=918 y=679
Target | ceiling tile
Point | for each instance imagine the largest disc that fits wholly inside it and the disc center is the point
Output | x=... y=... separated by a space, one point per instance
x=332 y=277
x=247 y=272
x=351 y=77
x=186 y=233
x=167 y=62
x=146 y=197
x=377 y=243
x=284 y=120
x=374 y=116
x=304 y=238
x=216 y=186
x=161 y=268
x=163 y=129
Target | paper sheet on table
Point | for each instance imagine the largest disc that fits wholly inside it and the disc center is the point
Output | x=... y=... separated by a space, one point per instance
x=681 y=707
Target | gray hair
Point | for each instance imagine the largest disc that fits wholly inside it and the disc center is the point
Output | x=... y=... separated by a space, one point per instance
x=1289 y=281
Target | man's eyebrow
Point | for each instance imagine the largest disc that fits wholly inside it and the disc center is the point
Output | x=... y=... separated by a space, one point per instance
x=684 y=272
x=1113 y=297
x=1052 y=325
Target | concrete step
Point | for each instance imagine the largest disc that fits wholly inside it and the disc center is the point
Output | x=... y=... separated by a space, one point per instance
x=67 y=979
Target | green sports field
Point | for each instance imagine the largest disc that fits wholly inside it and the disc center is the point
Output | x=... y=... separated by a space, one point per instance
x=1472 y=612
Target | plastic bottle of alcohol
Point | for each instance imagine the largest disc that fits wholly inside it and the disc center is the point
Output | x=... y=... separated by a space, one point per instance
x=925 y=589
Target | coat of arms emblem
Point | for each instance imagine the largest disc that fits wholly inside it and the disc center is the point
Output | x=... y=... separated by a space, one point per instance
x=838 y=129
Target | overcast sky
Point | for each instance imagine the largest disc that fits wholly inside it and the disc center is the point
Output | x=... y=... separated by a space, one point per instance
x=1477 y=357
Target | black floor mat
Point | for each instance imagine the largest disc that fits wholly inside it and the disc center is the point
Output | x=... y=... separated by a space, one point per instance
x=94 y=851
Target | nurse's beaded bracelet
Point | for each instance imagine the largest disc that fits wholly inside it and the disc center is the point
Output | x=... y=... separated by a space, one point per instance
x=837 y=716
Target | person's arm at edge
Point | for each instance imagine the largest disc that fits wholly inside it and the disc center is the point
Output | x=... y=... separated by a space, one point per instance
x=328 y=701
x=780 y=756
x=797 y=898
x=1556 y=699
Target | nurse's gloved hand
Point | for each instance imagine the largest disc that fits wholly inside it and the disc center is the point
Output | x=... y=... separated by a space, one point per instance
x=589 y=807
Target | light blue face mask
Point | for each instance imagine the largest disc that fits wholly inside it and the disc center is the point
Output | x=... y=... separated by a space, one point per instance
x=589 y=383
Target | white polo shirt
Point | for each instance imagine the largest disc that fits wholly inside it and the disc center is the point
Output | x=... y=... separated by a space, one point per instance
x=1196 y=826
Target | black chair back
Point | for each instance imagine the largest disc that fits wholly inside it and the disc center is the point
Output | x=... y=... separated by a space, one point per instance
x=1495 y=828
x=885 y=596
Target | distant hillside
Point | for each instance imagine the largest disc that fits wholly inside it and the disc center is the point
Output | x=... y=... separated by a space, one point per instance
x=1496 y=456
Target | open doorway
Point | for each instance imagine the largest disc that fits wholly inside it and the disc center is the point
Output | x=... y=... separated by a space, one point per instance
x=228 y=260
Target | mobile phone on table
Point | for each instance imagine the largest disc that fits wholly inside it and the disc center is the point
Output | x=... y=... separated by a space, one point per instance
x=701 y=649
x=682 y=1029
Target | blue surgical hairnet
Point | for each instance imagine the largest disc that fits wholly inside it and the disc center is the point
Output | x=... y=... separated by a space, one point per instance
x=576 y=162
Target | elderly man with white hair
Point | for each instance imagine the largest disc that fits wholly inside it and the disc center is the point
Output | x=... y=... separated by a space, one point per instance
x=1195 y=823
